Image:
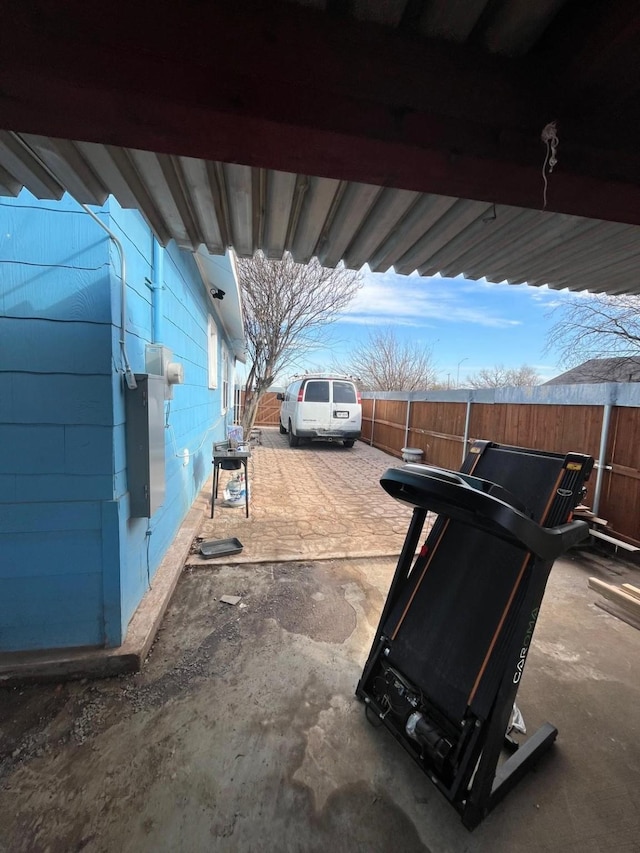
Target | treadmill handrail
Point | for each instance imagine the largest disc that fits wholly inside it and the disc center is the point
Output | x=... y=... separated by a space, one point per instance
x=457 y=496
x=486 y=486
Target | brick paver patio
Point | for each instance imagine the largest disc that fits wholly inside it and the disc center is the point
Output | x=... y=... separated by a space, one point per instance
x=317 y=501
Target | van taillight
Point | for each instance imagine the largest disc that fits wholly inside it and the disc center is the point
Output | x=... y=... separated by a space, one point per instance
x=301 y=393
x=358 y=398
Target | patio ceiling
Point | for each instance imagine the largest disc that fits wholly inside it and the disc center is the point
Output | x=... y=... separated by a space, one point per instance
x=400 y=133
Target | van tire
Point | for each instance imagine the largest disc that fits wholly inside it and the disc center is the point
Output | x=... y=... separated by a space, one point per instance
x=282 y=429
x=349 y=442
x=294 y=441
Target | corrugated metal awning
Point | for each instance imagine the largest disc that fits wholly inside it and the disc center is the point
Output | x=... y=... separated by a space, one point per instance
x=219 y=205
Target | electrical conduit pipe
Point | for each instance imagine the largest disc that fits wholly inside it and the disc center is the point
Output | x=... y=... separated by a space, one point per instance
x=157 y=284
x=128 y=373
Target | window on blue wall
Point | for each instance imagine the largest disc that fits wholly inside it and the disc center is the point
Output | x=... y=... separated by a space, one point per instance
x=213 y=353
x=225 y=378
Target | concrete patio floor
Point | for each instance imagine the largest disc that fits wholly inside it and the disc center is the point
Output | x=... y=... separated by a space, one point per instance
x=242 y=732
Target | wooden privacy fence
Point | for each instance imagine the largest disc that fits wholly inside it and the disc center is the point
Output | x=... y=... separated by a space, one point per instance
x=600 y=420
x=268 y=410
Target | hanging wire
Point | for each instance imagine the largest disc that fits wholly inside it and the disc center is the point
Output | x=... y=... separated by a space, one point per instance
x=550 y=138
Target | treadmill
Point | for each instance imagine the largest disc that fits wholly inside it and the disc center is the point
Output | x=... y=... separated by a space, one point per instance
x=452 y=642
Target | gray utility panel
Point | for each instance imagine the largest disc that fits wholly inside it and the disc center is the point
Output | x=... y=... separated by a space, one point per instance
x=145 y=445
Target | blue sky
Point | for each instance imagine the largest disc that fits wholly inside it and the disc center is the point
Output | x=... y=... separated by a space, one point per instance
x=469 y=324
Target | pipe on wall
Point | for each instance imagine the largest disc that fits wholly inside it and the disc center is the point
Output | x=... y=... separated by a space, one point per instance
x=157 y=285
x=128 y=373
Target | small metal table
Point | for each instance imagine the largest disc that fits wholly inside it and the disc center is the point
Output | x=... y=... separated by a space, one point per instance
x=220 y=456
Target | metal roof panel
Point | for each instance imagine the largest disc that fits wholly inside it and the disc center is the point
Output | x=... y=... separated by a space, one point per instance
x=238 y=189
x=355 y=204
x=198 y=190
x=24 y=168
x=315 y=209
x=281 y=187
x=67 y=163
x=390 y=206
x=217 y=205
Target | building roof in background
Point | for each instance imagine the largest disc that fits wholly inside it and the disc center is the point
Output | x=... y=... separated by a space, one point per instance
x=595 y=370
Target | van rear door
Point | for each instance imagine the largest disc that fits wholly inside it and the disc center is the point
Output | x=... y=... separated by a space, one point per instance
x=315 y=413
x=346 y=413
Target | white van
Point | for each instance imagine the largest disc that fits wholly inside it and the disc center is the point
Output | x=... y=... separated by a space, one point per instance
x=323 y=407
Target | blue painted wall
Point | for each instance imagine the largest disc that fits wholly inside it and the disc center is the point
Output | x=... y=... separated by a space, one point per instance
x=194 y=416
x=73 y=565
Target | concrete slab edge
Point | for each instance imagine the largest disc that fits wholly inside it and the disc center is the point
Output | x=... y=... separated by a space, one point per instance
x=73 y=664
x=203 y=563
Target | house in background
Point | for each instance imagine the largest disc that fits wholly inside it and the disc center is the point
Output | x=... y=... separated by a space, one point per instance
x=595 y=370
x=81 y=531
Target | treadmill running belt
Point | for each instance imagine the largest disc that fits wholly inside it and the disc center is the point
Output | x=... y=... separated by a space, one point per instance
x=532 y=480
x=446 y=605
x=464 y=593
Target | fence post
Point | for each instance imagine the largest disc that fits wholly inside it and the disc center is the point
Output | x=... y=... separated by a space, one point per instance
x=604 y=435
x=373 y=421
x=406 y=426
x=467 y=421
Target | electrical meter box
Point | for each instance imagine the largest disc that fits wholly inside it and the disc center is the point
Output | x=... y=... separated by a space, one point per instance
x=159 y=362
x=145 y=445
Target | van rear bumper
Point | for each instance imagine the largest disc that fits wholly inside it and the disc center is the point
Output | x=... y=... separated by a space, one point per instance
x=341 y=435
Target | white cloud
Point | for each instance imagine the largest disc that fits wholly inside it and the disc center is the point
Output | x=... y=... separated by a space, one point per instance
x=384 y=320
x=415 y=301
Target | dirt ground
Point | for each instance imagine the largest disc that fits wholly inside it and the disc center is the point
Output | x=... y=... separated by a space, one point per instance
x=242 y=733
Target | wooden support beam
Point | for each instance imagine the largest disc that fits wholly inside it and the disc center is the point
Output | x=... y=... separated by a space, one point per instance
x=619 y=613
x=283 y=86
x=631 y=590
x=613 y=541
x=595 y=46
x=617 y=595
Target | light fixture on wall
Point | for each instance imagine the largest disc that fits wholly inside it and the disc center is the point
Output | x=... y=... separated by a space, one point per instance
x=216 y=293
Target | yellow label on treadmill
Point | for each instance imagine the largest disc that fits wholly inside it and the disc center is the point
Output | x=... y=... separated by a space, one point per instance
x=475 y=450
x=574 y=466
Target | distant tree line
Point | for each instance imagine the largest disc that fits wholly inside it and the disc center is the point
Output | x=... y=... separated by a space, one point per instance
x=384 y=363
x=500 y=376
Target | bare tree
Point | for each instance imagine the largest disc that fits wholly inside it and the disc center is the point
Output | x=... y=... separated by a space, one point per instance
x=286 y=309
x=383 y=363
x=596 y=326
x=500 y=376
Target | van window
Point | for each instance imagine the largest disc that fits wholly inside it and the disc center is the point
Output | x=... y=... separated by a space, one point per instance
x=343 y=392
x=317 y=392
